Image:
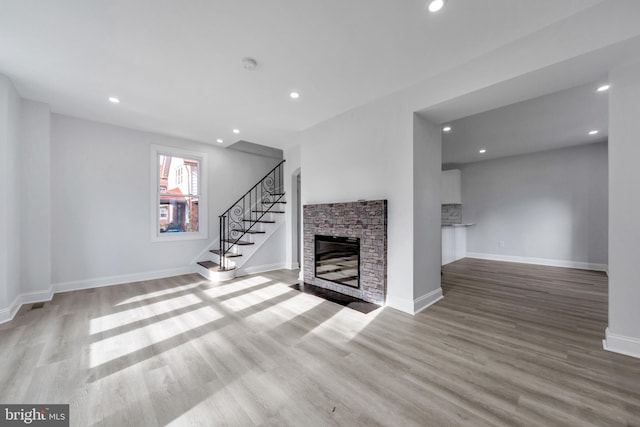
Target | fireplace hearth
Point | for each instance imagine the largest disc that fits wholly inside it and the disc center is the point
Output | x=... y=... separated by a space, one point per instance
x=345 y=248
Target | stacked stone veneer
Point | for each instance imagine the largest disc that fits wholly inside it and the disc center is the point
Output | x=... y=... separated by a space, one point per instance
x=364 y=220
x=451 y=214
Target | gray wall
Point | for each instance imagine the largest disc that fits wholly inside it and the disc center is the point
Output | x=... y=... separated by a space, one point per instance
x=100 y=200
x=624 y=204
x=36 y=198
x=550 y=205
x=10 y=201
x=427 y=157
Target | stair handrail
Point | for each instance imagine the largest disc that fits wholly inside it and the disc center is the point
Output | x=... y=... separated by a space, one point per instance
x=252 y=188
x=225 y=225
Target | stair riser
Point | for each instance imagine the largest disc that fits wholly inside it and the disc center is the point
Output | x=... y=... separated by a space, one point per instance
x=217 y=276
x=247 y=240
x=216 y=258
x=268 y=216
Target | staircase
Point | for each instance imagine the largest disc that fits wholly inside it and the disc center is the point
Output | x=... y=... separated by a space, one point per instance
x=245 y=226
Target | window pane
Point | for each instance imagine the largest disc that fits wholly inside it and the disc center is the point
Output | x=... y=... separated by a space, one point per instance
x=178 y=189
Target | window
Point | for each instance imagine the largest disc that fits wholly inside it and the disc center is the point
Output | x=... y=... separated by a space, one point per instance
x=179 y=209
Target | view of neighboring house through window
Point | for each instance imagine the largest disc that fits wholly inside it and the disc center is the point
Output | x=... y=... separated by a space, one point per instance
x=179 y=196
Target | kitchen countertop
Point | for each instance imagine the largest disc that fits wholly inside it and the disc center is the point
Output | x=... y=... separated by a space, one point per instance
x=457 y=225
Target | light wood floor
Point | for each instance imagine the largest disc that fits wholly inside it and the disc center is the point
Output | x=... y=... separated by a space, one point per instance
x=509 y=345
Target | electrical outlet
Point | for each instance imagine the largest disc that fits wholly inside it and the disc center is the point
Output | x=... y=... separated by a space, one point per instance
x=501 y=243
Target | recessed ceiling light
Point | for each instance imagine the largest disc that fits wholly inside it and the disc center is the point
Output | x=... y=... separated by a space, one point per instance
x=482 y=151
x=114 y=100
x=436 y=5
x=236 y=131
x=446 y=129
x=294 y=95
x=219 y=141
x=603 y=88
x=593 y=132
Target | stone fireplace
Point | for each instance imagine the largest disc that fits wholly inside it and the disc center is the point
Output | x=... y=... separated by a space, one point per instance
x=364 y=222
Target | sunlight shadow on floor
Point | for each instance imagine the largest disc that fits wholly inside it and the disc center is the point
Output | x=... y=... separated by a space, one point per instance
x=160 y=293
x=141 y=312
x=120 y=345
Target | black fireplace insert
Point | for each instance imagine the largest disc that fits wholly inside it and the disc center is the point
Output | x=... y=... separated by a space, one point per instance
x=337 y=259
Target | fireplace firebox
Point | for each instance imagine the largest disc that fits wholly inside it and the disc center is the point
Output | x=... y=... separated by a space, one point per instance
x=337 y=259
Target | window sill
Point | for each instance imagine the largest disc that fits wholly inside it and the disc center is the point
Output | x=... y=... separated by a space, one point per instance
x=178 y=237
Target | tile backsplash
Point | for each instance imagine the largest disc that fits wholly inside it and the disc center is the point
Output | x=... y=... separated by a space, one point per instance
x=451 y=214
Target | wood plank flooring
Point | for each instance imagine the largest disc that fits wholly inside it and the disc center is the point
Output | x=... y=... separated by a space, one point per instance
x=509 y=345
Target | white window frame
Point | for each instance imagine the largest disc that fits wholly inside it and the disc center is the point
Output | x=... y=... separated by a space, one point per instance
x=203 y=216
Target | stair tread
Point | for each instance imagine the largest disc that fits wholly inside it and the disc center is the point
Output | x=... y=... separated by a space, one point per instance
x=273 y=203
x=264 y=221
x=239 y=242
x=227 y=255
x=268 y=211
x=251 y=231
x=209 y=264
x=212 y=266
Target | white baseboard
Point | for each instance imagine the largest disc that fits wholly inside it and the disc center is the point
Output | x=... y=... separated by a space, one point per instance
x=9 y=313
x=427 y=300
x=629 y=346
x=99 y=282
x=41 y=296
x=260 y=269
x=292 y=266
x=539 y=261
x=400 y=304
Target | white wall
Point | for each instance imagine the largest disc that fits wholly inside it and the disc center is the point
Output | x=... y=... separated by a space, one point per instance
x=36 y=198
x=550 y=206
x=291 y=171
x=4 y=163
x=623 y=334
x=10 y=195
x=269 y=256
x=101 y=203
x=367 y=154
x=427 y=158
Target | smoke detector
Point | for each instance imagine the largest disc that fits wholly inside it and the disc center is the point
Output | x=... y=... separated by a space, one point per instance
x=249 y=64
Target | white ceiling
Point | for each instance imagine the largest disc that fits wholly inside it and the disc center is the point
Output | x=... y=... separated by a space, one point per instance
x=557 y=120
x=176 y=66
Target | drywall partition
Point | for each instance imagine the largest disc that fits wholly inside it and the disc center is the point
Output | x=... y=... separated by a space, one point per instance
x=548 y=207
x=366 y=154
x=36 y=200
x=4 y=164
x=270 y=256
x=427 y=158
x=623 y=333
x=101 y=202
x=292 y=239
x=10 y=199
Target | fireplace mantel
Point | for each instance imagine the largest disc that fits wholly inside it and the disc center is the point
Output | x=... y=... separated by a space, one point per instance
x=366 y=221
